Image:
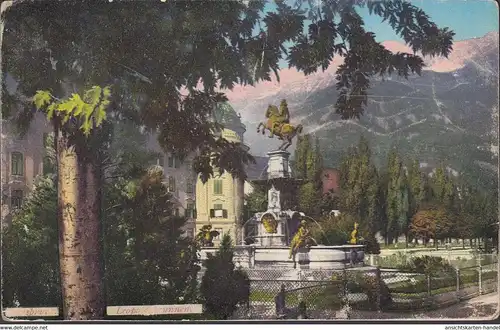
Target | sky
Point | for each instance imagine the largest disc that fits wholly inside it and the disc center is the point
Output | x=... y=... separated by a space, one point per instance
x=467 y=18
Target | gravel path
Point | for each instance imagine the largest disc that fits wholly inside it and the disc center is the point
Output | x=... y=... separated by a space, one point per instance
x=478 y=308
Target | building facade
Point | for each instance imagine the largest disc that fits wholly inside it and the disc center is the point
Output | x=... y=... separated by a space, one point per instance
x=330 y=180
x=219 y=201
x=22 y=160
x=180 y=179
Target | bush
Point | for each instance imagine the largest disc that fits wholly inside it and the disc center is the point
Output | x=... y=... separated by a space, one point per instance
x=398 y=260
x=223 y=287
x=436 y=266
x=333 y=230
x=368 y=284
x=371 y=245
x=358 y=282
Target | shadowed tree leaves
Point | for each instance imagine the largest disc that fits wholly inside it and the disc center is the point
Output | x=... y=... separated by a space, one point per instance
x=173 y=44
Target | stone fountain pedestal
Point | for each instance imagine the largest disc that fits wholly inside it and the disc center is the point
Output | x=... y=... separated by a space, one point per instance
x=275 y=226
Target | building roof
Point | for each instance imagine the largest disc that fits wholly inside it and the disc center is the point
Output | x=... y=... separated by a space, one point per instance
x=225 y=114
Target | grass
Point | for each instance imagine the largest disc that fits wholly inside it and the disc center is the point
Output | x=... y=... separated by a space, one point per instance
x=402 y=260
x=420 y=284
x=402 y=246
x=433 y=292
x=312 y=296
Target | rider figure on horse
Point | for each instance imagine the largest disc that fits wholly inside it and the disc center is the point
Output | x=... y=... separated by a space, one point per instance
x=277 y=118
x=278 y=124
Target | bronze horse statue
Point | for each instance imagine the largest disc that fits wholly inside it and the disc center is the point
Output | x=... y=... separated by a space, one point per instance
x=275 y=118
x=286 y=133
x=278 y=124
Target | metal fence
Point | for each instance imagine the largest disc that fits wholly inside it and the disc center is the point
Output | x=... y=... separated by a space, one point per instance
x=332 y=294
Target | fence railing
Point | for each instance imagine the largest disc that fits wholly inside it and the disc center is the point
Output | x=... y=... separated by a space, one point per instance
x=337 y=292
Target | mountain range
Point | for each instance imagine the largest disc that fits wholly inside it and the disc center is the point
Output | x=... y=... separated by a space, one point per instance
x=448 y=114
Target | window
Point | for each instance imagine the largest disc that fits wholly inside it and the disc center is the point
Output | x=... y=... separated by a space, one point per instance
x=173 y=162
x=171 y=184
x=16 y=199
x=218 y=187
x=177 y=212
x=17 y=166
x=218 y=212
x=189 y=186
x=221 y=233
x=190 y=210
x=160 y=161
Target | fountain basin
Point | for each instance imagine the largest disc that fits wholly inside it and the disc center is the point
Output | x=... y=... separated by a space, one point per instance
x=315 y=257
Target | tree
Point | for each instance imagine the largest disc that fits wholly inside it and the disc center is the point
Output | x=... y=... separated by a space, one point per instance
x=90 y=48
x=416 y=188
x=308 y=165
x=330 y=201
x=398 y=203
x=432 y=222
x=318 y=163
x=485 y=224
x=423 y=226
x=79 y=174
x=149 y=262
x=29 y=259
x=300 y=157
x=359 y=193
x=223 y=287
x=256 y=201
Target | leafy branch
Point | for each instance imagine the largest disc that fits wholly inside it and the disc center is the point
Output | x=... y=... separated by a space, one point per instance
x=89 y=110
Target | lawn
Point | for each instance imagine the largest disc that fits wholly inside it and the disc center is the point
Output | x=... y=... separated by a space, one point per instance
x=467 y=278
x=313 y=295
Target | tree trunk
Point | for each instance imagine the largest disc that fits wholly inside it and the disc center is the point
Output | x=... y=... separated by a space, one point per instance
x=80 y=241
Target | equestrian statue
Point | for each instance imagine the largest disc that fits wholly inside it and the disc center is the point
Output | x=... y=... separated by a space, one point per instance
x=278 y=124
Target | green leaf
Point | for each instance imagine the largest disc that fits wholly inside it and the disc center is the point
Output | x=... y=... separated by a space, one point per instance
x=50 y=110
x=42 y=99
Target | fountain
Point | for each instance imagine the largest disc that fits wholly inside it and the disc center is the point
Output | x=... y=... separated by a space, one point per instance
x=277 y=226
x=279 y=223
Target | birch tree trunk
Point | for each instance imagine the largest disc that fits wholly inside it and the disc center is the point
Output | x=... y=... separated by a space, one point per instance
x=80 y=241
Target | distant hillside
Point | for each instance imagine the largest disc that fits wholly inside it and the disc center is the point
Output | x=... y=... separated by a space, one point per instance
x=450 y=113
